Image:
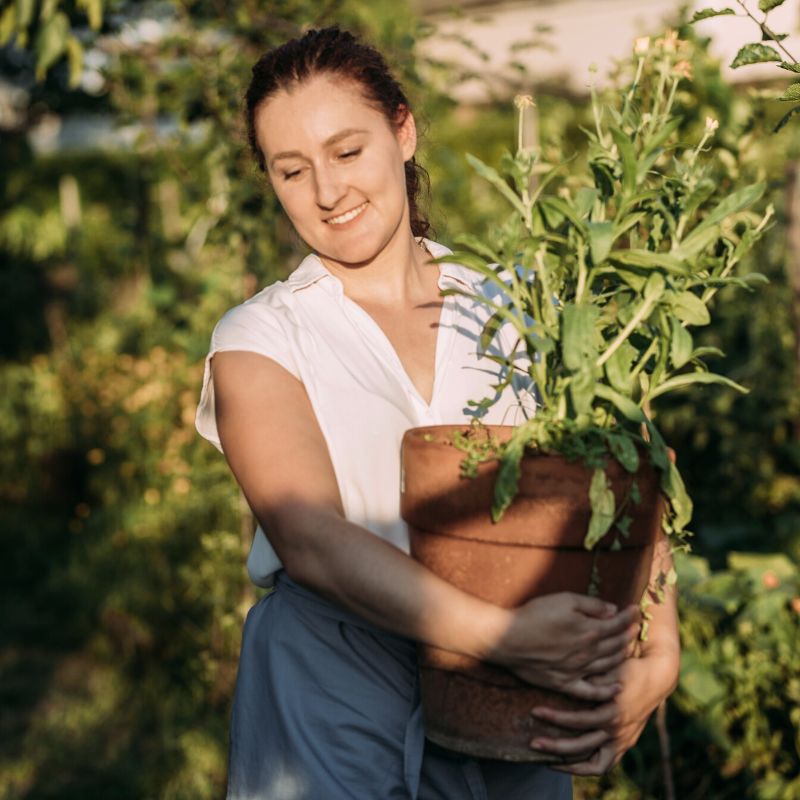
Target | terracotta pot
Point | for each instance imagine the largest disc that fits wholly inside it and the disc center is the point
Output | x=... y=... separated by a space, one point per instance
x=536 y=549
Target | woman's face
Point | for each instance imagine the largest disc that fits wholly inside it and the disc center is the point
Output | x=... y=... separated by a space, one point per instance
x=336 y=165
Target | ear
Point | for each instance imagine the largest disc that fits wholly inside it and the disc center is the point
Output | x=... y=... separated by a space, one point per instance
x=406 y=132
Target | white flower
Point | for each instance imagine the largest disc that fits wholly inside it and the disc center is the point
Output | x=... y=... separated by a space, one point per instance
x=711 y=124
x=641 y=45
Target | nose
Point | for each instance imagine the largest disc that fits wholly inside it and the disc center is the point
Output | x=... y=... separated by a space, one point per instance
x=329 y=188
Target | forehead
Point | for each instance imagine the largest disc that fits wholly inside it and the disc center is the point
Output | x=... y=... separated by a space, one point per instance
x=313 y=111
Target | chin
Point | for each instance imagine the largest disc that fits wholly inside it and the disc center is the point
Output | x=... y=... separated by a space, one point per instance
x=356 y=251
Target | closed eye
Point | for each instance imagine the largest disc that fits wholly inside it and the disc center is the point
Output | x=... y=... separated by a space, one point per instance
x=350 y=153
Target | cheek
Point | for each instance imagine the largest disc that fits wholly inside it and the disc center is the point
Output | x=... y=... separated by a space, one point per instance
x=292 y=202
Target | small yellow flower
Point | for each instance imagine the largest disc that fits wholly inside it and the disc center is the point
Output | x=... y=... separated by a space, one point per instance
x=641 y=45
x=524 y=101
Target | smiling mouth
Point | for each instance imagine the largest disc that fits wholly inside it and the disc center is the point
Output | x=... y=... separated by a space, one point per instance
x=348 y=215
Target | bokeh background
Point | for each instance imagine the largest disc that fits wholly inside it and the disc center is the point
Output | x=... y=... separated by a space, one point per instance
x=131 y=219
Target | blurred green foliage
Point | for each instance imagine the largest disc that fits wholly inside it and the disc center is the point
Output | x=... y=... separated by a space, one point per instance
x=123 y=532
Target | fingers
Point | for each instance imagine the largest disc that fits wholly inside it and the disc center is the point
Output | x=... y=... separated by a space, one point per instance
x=619 y=623
x=620 y=642
x=601 y=665
x=603 y=716
x=583 y=689
x=600 y=762
x=573 y=746
x=592 y=606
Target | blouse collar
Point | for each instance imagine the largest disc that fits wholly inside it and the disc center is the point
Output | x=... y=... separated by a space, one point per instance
x=311 y=270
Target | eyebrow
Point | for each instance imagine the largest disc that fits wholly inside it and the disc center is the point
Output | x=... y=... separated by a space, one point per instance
x=328 y=142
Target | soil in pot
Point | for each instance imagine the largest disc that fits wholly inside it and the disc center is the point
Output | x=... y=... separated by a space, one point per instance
x=535 y=549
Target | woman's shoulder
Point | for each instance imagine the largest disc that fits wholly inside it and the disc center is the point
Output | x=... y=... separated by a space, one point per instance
x=274 y=305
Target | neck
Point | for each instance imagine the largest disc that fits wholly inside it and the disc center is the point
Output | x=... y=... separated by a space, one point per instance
x=398 y=275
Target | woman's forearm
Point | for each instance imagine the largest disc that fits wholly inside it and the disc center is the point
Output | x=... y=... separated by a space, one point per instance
x=353 y=567
x=555 y=641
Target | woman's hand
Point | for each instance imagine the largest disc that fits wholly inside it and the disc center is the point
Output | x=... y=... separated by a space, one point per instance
x=610 y=729
x=569 y=642
x=604 y=733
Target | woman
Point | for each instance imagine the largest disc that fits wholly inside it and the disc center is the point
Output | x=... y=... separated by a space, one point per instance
x=315 y=379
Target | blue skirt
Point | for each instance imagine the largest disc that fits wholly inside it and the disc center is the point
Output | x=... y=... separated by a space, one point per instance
x=327 y=708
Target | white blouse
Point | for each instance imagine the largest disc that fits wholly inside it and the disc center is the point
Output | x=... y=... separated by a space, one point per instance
x=359 y=390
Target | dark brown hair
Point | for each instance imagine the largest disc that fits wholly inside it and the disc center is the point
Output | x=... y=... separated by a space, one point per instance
x=334 y=51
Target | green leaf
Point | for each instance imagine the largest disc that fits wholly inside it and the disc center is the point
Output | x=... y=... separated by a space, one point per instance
x=755 y=54
x=505 y=487
x=654 y=287
x=563 y=208
x=618 y=367
x=646 y=258
x=51 y=43
x=768 y=35
x=75 y=61
x=732 y=204
x=673 y=486
x=680 y=347
x=791 y=93
x=585 y=198
x=581 y=390
x=790 y=67
x=476 y=244
x=681 y=381
x=624 y=450
x=702 y=352
x=493 y=324
x=577 y=335
x=625 y=405
x=493 y=176
x=25 y=9
x=601 y=236
x=661 y=134
x=628 y=157
x=785 y=118
x=768 y=5
x=689 y=308
x=603 y=505
x=707 y=13
x=699 y=682
x=94 y=10
x=8 y=24
x=698 y=241
x=626 y=223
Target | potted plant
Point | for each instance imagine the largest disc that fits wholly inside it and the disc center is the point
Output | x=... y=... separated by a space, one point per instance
x=602 y=272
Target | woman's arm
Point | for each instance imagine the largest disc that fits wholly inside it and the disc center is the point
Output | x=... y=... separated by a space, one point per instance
x=273 y=443
x=612 y=728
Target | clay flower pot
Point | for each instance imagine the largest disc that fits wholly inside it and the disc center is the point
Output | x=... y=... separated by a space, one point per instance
x=536 y=548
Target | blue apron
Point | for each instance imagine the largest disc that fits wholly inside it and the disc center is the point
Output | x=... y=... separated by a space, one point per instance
x=327 y=708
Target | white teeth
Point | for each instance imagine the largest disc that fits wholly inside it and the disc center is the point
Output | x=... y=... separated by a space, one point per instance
x=348 y=216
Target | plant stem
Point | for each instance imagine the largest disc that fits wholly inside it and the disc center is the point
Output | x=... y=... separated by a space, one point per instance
x=632 y=90
x=595 y=112
x=643 y=311
x=664 y=747
x=581 y=272
x=645 y=357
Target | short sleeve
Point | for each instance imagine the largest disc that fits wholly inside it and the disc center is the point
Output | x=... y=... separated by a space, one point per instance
x=253 y=327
